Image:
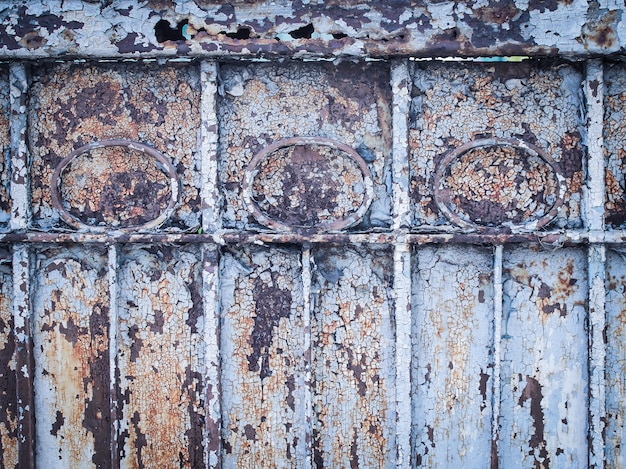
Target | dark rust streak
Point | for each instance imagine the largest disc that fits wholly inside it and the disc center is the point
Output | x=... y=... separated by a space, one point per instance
x=193 y=386
x=532 y=391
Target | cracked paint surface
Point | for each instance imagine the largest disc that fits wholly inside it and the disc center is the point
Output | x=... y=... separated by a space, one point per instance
x=72 y=105
x=454 y=104
x=544 y=359
x=262 y=104
x=353 y=365
x=71 y=313
x=160 y=390
x=615 y=358
x=452 y=356
x=264 y=356
x=8 y=392
x=5 y=152
x=615 y=144
x=309 y=28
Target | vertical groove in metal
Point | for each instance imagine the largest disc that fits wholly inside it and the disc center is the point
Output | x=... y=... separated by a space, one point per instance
x=209 y=190
x=402 y=296
x=113 y=347
x=20 y=187
x=305 y=454
x=594 y=217
x=25 y=365
x=400 y=87
x=497 y=342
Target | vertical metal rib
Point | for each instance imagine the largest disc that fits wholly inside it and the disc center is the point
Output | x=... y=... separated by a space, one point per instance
x=402 y=295
x=594 y=217
x=400 y=86
x=304 y=453
x=113 y=347
x=497 y=344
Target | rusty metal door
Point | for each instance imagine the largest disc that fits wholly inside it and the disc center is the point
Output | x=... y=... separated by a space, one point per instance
x=312 y=264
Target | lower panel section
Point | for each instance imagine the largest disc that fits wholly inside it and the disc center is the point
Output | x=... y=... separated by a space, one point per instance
x=353 y=360
x=544 y=359
x=70 y=332
x=8 y=391
x=160 y=393
x=452 y=356
x=264 y=356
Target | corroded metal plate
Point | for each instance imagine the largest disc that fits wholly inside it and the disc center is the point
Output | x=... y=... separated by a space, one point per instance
x=496 y=182
x=307 y=183
x=115 y=184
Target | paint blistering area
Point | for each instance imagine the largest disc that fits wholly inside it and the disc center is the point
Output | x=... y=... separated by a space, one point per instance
x=262 y=104
x=454 y=104
x=75 y=104
x=8 y=392
x=615 y=358
x=615 y=144
x=70 y=334
x=159 y=397
x=353 y=367
x=5 y=153
x=544 y=363
x=452 y=355
x=264 y=356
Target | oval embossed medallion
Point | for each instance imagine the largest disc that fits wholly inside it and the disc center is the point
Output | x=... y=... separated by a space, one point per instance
x=499 y=182
x=307 y=183
x=115 y=184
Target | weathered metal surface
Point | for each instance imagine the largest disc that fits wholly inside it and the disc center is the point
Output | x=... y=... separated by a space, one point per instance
x=348 y=103
x=544 y=418
x=8 y=391
x=460 y=104
x=353 y=361
x=615 y=358
x=452 y=356
x=309 y=28
x=5 y=142
x=20 y=158
x=70 y=333
x=292 y=185
x=160 y=401
x=264 y=356
x=76 y=104
x=615 y=144
x=101 y=167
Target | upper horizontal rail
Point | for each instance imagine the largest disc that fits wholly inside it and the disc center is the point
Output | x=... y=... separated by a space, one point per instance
x=118 y=29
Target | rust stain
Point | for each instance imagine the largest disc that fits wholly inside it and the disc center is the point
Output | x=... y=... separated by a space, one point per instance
x=532 y=392
x=161 y=384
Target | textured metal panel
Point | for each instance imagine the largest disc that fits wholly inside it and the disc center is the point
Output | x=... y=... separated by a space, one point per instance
x=544 y=417
x=8 y=391
x=70 y=333
x=455 y=104
x=264 y=356
x=75 y=104
x=160 y=393
x=262 y=104
x=452 y=356
x=353 y=360
x=90 y=28
x=615 y=144
x=615 y=358
x=5 y=153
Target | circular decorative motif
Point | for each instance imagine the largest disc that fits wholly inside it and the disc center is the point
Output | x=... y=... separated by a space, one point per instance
x=495 y=182
x=307 y=183
x=87 y=184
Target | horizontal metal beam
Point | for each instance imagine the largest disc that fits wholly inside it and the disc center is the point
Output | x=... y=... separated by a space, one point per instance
x=34 y=29
x=553 y=239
